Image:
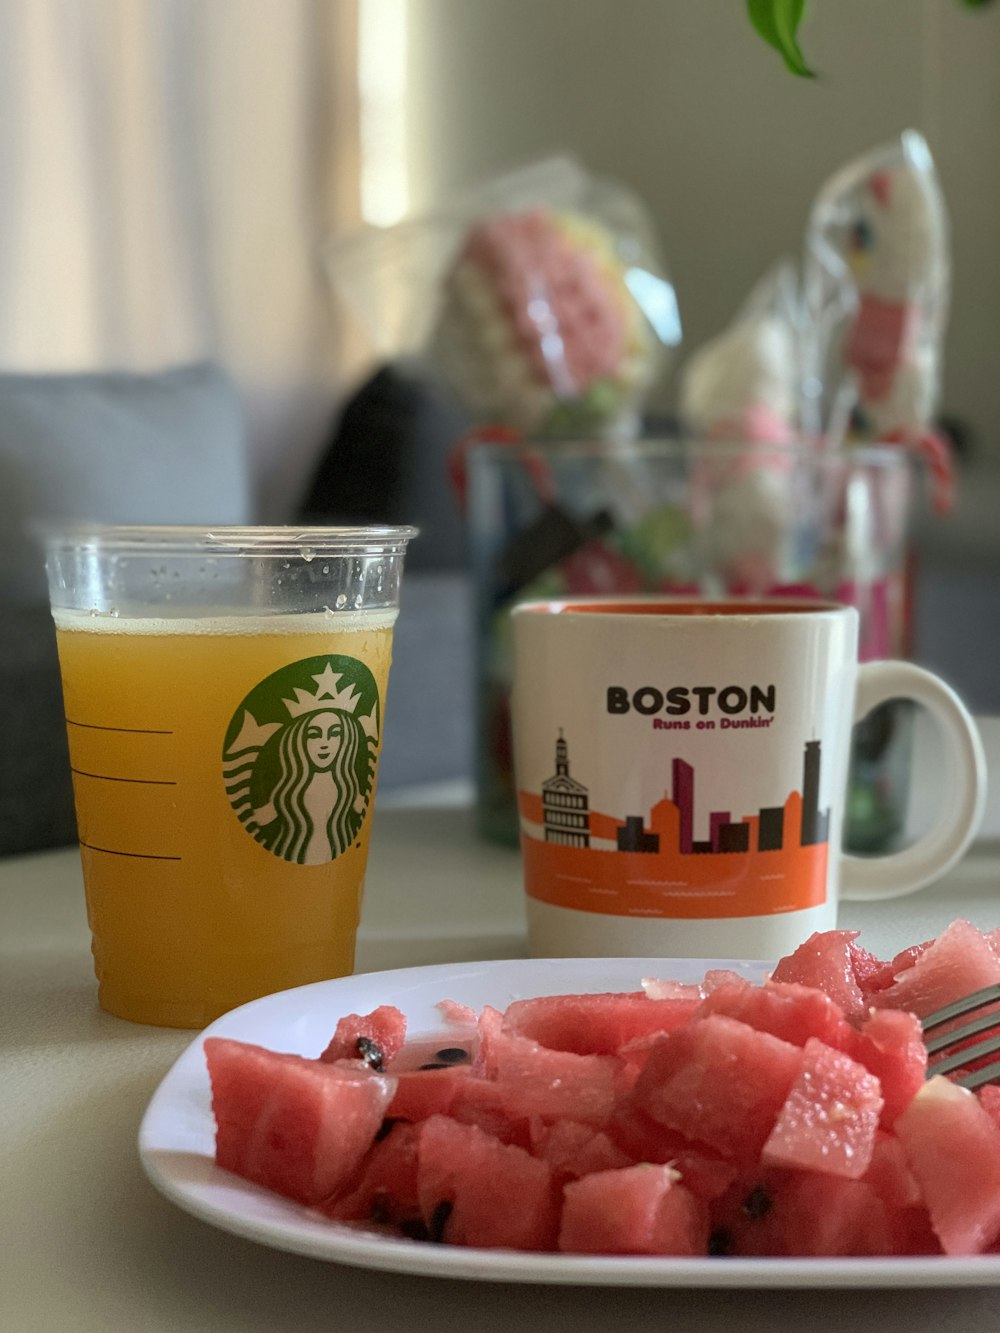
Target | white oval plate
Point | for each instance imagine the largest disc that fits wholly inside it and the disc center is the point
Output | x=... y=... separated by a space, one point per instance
x=177 y=1140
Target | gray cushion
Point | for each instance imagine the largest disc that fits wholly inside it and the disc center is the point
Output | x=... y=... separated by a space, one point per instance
x=168 y=447
x=428 y=728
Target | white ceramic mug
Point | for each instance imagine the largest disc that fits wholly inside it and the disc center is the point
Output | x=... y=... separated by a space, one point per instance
x=682 y=771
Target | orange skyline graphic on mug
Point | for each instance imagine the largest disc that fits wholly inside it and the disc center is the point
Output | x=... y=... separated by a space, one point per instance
x=652 y=864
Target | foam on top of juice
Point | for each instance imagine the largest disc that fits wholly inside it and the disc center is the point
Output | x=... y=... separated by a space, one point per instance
x=233 y=623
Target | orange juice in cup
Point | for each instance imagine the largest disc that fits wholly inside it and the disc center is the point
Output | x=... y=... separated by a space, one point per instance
x=224 y=702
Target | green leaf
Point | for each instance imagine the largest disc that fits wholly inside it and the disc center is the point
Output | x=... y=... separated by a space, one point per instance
x=976 y=4
x=778 y=21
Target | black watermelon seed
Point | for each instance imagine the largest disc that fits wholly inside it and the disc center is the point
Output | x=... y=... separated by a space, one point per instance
x=371 y=1053
x=415 y=1229
x=757 y=1203
x=380 y=1210
x=439 y=1220
x=453 y=1055
x=720 y=1242
x=434 y=1064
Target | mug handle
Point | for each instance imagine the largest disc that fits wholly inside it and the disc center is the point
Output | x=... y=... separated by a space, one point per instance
x=962 y=785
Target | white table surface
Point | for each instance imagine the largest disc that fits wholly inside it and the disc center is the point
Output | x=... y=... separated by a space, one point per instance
x=87 y=1244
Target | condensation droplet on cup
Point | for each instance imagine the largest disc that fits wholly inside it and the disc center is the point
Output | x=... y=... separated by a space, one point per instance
x=326 y=569
x=308 y=554
x=341 y=601
x=358 y=600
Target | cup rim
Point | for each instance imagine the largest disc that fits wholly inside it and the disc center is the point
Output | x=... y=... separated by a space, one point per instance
x=682 y=607
x=225 y=540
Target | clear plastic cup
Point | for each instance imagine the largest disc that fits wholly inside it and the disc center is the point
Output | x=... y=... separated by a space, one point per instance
x=224 y=694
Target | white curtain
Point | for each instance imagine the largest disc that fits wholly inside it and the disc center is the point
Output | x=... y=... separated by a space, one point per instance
x=169 y=171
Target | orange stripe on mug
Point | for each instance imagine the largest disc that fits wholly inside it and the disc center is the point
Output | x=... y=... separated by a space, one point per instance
x=649 y=884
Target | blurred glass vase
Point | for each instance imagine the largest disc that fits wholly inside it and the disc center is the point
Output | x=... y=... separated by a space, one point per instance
x=568 y=518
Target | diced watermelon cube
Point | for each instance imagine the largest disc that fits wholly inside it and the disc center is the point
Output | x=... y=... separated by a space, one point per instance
x=832 y=1216
x=299 y=1127
x=474 y=1190
x=702 y=1170
x=905 y=959
x=386 y=1191
x=374 y=1038
x=718 y=1082
x=488 y=1029
x=635 y=1210
x=793 y=1214
x=871 y=973
x=961 y=960
x=953 y=1149
x=495 y=1108
x=641 y=1137
x=830 y=1117
x=824 y=962
x=889 y=1173
x=421 y=1093
x=596 y=1024
x=573 y=1150
x=890 y=1044
x=785 y=1009
x=912 y=1232
x=553 y=1084
x=989 y=1099
x=633 y=1056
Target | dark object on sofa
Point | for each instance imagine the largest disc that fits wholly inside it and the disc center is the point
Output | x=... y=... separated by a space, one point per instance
x=387 y=462
x=36 y=792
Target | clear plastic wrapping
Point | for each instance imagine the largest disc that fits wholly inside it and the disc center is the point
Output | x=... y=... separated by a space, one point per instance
x=876 y=283
x=537 y=300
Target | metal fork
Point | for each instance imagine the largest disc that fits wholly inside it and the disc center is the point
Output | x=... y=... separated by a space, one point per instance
x=988 y=1022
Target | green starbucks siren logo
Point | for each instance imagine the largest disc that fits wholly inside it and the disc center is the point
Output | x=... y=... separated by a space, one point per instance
x=299 y=757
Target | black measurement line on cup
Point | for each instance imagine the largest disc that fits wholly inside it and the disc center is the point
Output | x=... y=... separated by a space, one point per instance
x=109 y=777
x=142 y=856
x=138 y=731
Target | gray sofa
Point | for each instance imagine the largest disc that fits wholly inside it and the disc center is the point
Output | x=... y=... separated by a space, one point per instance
x=118 y=448
x=429 y=736
x=124 y=448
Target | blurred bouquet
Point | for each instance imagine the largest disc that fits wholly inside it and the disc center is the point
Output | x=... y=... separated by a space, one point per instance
x=536 y=301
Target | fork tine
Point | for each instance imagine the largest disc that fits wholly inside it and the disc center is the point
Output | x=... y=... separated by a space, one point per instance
x=960 y=1007
x=978 y=1077
x=958 y=1059
x=982 y=1023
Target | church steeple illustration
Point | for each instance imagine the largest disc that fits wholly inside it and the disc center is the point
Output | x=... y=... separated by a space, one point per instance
x=565 y=803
